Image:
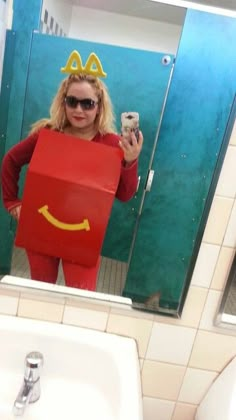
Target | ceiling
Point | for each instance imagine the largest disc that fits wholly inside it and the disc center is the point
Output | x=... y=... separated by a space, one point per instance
x=148 y=9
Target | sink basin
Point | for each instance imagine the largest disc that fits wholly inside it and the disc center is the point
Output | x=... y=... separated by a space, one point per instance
x=86 y=375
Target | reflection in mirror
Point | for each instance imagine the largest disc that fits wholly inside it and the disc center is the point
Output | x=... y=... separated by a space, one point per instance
x=226 y=316
x=166 y=22
x=152 y=241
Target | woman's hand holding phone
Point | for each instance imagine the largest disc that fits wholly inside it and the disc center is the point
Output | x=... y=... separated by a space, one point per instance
x=132 y=146
x=131 y=138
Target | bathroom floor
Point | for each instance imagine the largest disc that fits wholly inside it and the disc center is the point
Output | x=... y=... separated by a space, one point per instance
x=111 y=276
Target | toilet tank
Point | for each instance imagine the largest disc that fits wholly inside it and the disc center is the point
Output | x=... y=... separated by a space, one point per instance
x=220 y=401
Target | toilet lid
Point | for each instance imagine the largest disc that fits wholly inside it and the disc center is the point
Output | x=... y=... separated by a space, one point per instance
x=220 y=401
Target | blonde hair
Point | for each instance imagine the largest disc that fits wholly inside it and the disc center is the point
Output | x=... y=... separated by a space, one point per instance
x=104 y=121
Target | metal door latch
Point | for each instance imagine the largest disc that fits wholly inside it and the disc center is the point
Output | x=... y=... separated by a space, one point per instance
x=139 y=178
x=149 y=180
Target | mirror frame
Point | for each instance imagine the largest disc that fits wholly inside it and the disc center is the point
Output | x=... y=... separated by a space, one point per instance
x=223 y=318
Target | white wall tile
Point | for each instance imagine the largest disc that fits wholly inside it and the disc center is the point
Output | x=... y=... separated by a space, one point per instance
x=162 y=380
x=154 y=409
x=222 y=268
x=218 y=220
x=210 y=312
x=8 y=301
x=184 y=411
x=227 y=182
x=171 y=344
x=205 y=265
x=195 y=385
x=230 y=235
x=87 y=318
x=233 y=136
x=45 y=311
x=212 y=351
x=211 y=306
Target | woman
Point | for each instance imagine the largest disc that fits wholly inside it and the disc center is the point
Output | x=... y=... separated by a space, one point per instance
x=81 y=108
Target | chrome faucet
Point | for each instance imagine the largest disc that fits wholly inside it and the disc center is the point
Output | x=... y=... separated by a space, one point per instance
x=30 y=390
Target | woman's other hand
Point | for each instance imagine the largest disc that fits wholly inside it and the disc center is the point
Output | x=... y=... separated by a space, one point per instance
x=15 y=212
x=131 y=147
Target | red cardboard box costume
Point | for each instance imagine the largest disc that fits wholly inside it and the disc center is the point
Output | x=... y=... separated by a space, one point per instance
x=68 y=196
x=22 y=153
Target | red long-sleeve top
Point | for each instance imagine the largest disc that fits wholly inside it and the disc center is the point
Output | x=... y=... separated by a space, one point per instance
x=20 y=155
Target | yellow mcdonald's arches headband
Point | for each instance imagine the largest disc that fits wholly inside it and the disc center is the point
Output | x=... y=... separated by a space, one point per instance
x=93 y=65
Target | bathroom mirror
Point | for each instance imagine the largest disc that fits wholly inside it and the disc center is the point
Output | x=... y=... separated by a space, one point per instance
x=226 y=316
x=129 y=267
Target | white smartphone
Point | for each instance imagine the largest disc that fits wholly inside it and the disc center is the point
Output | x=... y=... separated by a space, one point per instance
x=130 y=122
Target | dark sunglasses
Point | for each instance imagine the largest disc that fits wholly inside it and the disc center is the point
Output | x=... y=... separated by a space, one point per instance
x=85 y=104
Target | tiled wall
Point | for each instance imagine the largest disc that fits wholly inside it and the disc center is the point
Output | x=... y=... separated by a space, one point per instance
x=179 y=358
x=5 y=7
x=55 y=17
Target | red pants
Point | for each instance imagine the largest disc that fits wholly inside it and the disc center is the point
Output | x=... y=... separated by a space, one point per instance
x=45 y=268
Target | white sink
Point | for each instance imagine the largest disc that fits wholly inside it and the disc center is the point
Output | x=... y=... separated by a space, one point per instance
x=87 y=375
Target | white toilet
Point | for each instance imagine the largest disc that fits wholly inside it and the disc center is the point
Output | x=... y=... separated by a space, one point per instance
x=220 y=401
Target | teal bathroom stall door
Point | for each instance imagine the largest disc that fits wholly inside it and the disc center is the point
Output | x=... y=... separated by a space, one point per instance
x=191 y=145
x=26 y=17
x=129 y=89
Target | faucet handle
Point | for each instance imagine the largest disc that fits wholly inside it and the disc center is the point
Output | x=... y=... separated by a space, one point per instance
x=33 y=366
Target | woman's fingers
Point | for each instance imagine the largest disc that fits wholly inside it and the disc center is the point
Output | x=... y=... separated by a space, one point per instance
x=16 y=212
x=131 y=146
x=140 y=140
x=132 y=141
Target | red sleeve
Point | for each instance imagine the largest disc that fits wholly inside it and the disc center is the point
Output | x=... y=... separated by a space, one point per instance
x=18 y=156
x=129 y=174
x=128 y=182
